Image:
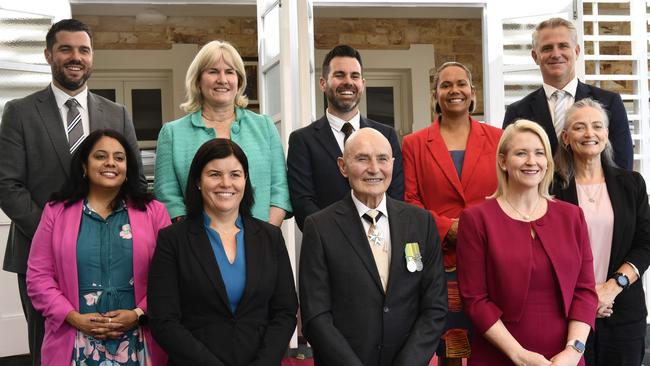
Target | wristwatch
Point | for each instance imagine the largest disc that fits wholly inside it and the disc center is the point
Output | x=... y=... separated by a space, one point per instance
x=577 y=345
x=621 y=280
x=143 y=319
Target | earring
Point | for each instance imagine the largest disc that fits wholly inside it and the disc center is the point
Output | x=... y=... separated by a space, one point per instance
x=84 y=175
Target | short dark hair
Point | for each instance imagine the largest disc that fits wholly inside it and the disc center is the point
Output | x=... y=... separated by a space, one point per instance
x=218 y=148
x=76 y=188
x=68 y=25
x=341 y=50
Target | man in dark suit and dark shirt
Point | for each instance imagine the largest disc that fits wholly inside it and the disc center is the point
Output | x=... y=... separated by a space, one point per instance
x=38 y=135
x=314 y=179
x=372 y=284
x=555 y=50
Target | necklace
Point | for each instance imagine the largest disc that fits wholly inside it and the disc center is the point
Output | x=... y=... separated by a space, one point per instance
x=523 y=215
x=591 y=197
x=230 y=118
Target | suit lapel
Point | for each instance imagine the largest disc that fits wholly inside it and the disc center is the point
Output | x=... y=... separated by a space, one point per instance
x=440 y=154
x=582 y=91
x=200 y=245
x=51 y=118
x=473 y=151
x=398 y=224
x=616 y=189
x=325 y=137
x=95 y=112
x=349 y=223
x=543 y=115
x=255 y=251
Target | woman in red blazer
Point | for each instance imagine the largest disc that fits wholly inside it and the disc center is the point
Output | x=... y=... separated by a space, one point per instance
x=525 y=266
x=449 y=166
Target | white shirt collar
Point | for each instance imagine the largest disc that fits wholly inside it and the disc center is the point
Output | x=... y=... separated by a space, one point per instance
x=362 y=208
x=62 y=97
x=337 y=123
x=570 y=88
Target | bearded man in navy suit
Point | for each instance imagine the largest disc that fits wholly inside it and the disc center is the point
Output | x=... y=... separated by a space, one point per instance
x=314 y=178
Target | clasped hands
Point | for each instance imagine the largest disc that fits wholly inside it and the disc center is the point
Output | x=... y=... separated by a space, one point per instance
x=109 y=325
x=607 y=292
x=567 y=357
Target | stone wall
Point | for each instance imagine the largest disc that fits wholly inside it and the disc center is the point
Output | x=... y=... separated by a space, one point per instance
x=453 y=39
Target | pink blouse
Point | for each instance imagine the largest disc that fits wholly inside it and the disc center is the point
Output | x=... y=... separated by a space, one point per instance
x=595 y=203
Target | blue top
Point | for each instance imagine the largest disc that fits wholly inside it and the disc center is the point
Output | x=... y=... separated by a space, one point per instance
x=256 y=134
x=233 y=274
x=105 y=274
x=458 y=156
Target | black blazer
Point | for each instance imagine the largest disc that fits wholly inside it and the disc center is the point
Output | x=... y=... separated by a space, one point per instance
x=630 y=240
x=534 y=107
x=315 y=181
x=346 y=316
x=189 y=312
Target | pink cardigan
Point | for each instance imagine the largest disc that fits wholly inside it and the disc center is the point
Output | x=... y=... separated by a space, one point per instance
x=52 y=279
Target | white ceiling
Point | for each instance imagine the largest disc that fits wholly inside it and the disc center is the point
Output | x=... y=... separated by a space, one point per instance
x=244 y=8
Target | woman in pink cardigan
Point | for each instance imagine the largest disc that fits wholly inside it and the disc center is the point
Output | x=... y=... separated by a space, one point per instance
x=88 y=264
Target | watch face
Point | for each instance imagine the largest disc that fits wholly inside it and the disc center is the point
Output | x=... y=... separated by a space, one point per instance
x=622 y=280
x=579 y=346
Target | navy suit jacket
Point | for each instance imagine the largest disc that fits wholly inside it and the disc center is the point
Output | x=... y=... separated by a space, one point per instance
x=534 y=107
x=315 y=181
x=347 y=316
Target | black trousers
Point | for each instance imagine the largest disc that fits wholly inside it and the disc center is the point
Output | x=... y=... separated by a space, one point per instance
x=35 y=322
x=616 y=345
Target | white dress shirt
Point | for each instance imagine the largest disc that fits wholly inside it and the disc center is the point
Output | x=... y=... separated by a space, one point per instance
x=336 y=124
x=82 y=98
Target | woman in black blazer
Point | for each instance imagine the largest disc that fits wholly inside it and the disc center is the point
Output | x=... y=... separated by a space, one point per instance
x=221 y=289
x=616 y=209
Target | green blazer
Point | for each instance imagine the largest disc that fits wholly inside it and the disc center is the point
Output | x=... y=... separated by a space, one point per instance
x=256 y=134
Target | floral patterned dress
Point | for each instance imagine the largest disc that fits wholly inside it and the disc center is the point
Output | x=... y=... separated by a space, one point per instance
x=105 y=271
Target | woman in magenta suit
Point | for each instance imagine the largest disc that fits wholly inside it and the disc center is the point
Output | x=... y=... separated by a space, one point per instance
x=89 y=260
x=525 y=266
x=449 y=166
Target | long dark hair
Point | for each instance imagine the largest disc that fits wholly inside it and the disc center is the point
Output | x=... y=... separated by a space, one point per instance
x=76 y=188
x=215 y=149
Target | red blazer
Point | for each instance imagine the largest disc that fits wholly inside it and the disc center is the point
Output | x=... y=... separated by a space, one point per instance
x=494 y=268
x=431 y=180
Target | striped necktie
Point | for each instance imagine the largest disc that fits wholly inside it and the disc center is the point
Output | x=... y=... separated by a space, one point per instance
x=561 y=102
x=75 y=129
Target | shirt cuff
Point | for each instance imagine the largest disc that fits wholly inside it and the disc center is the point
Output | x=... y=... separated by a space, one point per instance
x=636 y=270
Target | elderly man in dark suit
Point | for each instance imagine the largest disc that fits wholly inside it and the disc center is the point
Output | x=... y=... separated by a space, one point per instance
x=38 y=134
x=556 y=50
x=372 y=286
x=314 y=179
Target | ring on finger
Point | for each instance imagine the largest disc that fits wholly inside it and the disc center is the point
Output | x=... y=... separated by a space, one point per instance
x=110 y=320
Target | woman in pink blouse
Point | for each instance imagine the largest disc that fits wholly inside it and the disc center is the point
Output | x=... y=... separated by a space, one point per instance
x=615 y=204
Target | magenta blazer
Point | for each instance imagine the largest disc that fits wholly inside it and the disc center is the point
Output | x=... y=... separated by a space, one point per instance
x=52 y=279
x=494 y=265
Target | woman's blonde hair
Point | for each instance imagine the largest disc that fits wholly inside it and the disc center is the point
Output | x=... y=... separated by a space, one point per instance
x=564 y=160
x=436 y=80
x=207 y=56
x=520 y=126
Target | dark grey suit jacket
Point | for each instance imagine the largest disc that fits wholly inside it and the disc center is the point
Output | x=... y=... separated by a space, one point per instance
x=315 y=181
x=35 y=161
x=346 y=315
